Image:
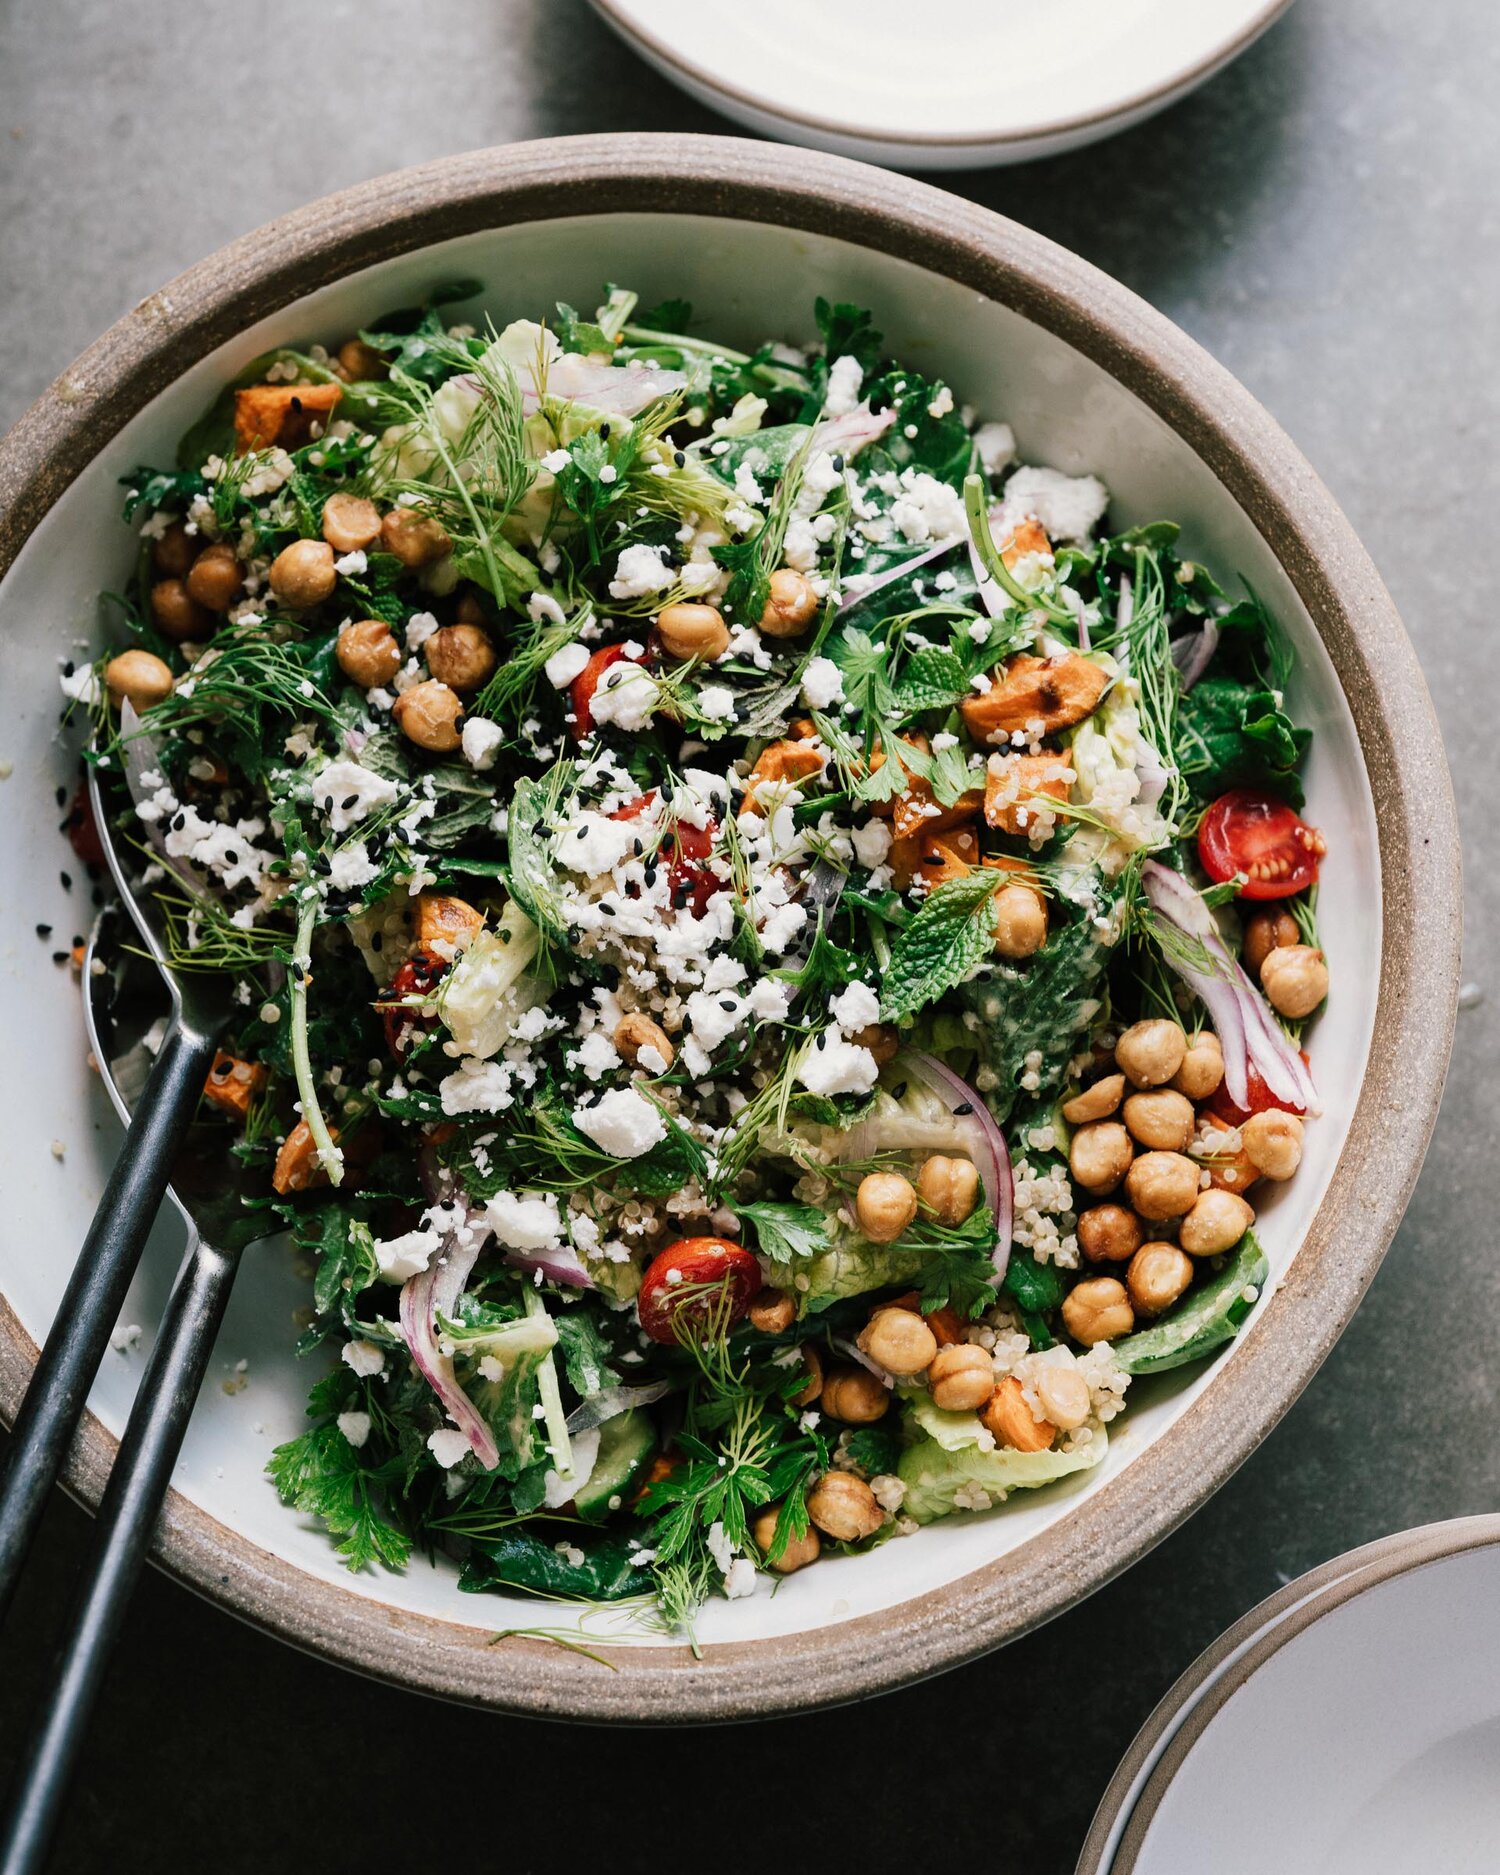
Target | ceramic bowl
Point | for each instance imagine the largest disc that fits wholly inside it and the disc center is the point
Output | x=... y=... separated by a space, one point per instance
x=1091 y=378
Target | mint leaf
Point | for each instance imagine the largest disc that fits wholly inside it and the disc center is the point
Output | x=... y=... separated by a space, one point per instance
x=951 y=935
x=932 y=679
x=786 y=1231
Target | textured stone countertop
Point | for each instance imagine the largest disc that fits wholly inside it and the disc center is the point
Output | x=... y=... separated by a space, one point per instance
x=1323 y=218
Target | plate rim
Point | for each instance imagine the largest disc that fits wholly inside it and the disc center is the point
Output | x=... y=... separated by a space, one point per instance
x=808 y=191
x=1373 y=1565
x=690 y=73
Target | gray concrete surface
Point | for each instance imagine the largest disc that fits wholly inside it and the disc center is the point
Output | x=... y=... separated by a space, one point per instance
x=1323 y=218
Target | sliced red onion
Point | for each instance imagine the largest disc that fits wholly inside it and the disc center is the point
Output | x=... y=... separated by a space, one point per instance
x=849 y=597
x=612 y=1402
x=574 y=379
x=140 y=756
x=423 y=1299
x=993 y=1158
x=1193 y=652
x=846 y=435
x=558 y=1266
x=1247 y=1030
x=856 y=1353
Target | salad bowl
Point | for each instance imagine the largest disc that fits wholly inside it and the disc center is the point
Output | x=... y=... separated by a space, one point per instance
x=1091 y=379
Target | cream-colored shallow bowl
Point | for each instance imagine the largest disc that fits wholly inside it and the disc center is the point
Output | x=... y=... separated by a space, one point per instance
x=1092 y=379
x=953 y=84
x=1363 y=1695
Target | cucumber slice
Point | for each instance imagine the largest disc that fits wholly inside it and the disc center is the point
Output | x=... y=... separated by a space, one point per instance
x=625 y=1444
x=1203 y=1320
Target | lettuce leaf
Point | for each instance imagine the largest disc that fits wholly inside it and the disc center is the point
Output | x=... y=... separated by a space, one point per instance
x=948 y=1459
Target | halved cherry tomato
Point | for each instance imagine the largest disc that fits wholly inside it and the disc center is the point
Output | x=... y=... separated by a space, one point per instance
x=581 y=690
x=1252 y=833
x=693 y=882
x=693 y=1283
x=416 y=977
x=83 y=832
x=1262 y=1100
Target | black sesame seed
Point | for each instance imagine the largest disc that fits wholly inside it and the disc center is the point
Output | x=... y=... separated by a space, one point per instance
x=62 y=797
x=68 y=668
x=639 y=848
x=964 y=1109
x=582 y=833
x=899 y=1093
x=77 y=941
x=178 y=821
x=231 y=856
x=349 y=801
x=59 y=957
x=67 y=881
x=728 y=1003
x=838 y=463
x=604 y=432
x=44 y=930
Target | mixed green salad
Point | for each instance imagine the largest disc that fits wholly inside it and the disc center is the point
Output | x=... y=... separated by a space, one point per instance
x=770 y=942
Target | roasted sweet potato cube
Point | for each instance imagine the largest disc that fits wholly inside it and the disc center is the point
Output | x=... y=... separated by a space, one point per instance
x=445 y=925
x=232 y=1084
x=1014 y=782
x=918 y=812
x=1029 y=537
x=1036 y=696
x=297 y=1165
x=783 y=761
x=949 y=855
x=267 y=415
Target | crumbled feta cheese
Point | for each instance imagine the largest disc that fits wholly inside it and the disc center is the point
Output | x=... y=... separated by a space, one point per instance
x=822 y=684
x=844 y=379
x=448 y=1446
x=623 y=1123
x=996 y=443
x=355 y=1427
x=855 y=1007
x=872 y=843
x=638 y=572
x=838 y=1067
x=716 y=702
x=481 y=741
x=563 y=666
x=364 y=1357
x=1069 y=507
x=525 y=1220
x=626 y=696
x=408 y=1255
x=346 y=791
x=82 y=686
x=350 y=867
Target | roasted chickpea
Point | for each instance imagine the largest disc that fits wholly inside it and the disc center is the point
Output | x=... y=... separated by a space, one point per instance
x=367 y=652
x=1158 y=1274
x=1271 y=928
x=854 y=1396
x=772 y=1312
x=360 y=362
x=636 y=1032
x=1096 y=1102
x=176 y=612
x=692 y=631
x=791 y=604
x=1202 y=1066
x=302 y=575
x=1216 y=1223
x=881 y=1040
x=215 y=579
x=961 y=1378
x=900 y=1341
x=431 y=715
x=1109 y=1233
x=415 y=538
x=1020 y=921
x=1064 y=1396
x=1100 y=1155
x=139 y=678
x=884 y=1205
x=1295 y=979
x=1160 y=1119
x=350 y=523
x=1010 y=1419
x=844 y=1507
x=1097 y=1309
x=948 y=1187
x=1273 y=1141
x=812 y=1366
x=1150 y=1053
x=799 y=1552
x=460 y=656
x=1162 y=1184
x=175 y=551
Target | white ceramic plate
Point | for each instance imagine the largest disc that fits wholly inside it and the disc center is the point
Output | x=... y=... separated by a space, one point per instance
x=948 y=84
x=1356 y=1732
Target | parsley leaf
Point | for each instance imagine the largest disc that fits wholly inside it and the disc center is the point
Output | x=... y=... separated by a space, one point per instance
x=876 y=1449
x=848 y=332
x=322 y=1475
x=784 y=1232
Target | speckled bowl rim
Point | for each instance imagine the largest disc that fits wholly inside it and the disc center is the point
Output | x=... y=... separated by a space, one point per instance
x=1239 y=443
x=689 y=73
x=1187 y=1710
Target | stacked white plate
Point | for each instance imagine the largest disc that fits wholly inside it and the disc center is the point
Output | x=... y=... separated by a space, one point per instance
x=948 y=84
x=1350 y=1723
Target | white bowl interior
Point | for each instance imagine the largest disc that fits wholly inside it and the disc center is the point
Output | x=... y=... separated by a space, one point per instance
x=1377 y=1729
x=747 y=281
